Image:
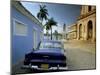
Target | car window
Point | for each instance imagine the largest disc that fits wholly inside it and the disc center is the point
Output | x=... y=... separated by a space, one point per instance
x=58 y=45
x=50 y=45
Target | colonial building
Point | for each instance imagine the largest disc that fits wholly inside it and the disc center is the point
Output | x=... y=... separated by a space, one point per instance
x=72 y=34
x=26 y=30
x=86 y=24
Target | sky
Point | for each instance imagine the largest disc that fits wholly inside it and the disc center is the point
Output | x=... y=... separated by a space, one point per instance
x=62 y=13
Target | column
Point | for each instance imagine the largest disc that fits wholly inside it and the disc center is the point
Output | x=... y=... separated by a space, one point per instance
x=77 y=32
x=86 y=31
x=94 y=31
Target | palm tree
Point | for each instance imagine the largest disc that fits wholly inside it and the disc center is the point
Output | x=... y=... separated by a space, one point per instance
x=56 y=34
x=43 y=13
x=51 y=22
x=47 y=28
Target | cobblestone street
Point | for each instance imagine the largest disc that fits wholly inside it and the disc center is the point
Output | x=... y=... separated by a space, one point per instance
x=80 y=54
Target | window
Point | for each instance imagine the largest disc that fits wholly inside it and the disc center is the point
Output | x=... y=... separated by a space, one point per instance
x=20 y=28
x=89 y=8
x=44 y=45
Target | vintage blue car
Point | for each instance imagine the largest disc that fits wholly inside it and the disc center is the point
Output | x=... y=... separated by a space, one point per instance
x=49 y=55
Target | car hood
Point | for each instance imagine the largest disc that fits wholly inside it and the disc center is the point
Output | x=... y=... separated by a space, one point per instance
x=50 y=51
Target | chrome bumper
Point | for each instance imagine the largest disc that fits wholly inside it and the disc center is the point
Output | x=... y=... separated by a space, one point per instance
x=37 y=68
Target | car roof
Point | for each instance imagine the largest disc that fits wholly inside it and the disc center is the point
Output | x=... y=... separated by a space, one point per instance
x=52 y=41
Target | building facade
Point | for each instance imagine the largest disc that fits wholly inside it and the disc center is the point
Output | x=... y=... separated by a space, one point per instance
x=72 y=34
x=86 y=24
x=26 y=30
x=85 y=27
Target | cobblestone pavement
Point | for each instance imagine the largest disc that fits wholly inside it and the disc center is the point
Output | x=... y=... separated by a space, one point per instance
x=80 y=55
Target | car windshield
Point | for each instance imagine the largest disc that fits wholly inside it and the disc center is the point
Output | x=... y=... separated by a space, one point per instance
x=50 y=45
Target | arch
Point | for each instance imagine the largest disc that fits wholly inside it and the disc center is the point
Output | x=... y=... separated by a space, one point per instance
x=90 y=29
x=80 y=31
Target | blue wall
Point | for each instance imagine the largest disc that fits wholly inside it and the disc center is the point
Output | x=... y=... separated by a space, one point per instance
x=22 y=44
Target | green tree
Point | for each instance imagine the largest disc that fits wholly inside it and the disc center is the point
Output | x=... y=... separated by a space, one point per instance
x=47 y=27
x=43 y=13
x=51 y=22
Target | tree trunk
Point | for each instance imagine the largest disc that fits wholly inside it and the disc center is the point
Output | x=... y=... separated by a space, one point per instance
x=51 y=32
x=41 y=22
x=47 y=34
x=56 y=36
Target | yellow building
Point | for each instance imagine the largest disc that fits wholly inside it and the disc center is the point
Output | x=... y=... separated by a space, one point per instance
x=72 y=34
x=86 y=24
